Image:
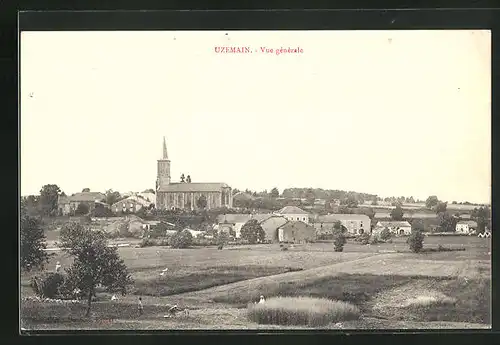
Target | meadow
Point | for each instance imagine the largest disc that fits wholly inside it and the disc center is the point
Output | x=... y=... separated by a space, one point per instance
x=390 y=286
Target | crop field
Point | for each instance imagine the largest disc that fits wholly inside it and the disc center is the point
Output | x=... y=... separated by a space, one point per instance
x=392 y=287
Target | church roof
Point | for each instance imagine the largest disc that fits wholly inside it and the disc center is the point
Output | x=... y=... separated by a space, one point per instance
x=194 y=187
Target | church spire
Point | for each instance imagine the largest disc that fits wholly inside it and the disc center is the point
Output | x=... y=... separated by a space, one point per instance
x=165 y=155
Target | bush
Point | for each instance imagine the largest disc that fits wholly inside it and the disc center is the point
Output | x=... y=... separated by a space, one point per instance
x=385 y=234
x=416 y=241
x=147 y=242
x=363 y=238
x=182 y=239
x=302 y=311
x=325 y=237
x=48 y=285
x=101 y=212
x=339 y=240
x=82 y=209
x=374 y=240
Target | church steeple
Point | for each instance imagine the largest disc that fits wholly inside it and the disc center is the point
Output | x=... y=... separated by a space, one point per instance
x=163 y=172
x=165 y=155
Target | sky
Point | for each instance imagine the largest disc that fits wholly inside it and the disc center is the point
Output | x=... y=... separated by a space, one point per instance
x=392 y=113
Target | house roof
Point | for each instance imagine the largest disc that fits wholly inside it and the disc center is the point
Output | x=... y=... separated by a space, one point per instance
x=291 y=210
x=233 y=218
x=243 y=218
x=470 y=223
x=394 y=224
x=331 y=218
x=139 y=199
x=294 y=224
x=133 y=201
x=381 y=215
x=82 y=197
x=194 y=187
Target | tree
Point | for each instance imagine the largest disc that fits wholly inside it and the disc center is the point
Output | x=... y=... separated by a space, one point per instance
x=385 y=234
x=447 y=223
x=339 y=238
x=441 y=207
x=201 y=202
x=181 y=239
x=431 y=201
x=415 y=241
x=101 y=211
x=112 y=197
x=188 y=179
x=417 y=225
x=310 y=196
x=82 y=209
x=49 y=195
x=482 y=216
x=94 y=262
x=150 y=190
x=350 y=201
x=182 y=178
x=397 y=213
x=222 y=238
x=370 y=213
x=275 y=193
x=85 y=190
x=31 y=204
x=32 y=242
x=252 y=232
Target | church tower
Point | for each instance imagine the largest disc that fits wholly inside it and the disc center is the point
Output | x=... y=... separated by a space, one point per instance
x=163 y=174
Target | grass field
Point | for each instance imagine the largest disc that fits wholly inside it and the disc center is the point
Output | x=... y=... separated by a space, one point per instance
x=403 y=289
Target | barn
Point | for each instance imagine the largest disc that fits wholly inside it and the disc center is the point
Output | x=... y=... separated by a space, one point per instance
x=296 y=232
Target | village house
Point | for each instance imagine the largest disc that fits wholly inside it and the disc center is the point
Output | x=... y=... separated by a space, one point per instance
x=131 y=204
x=67 y=205
x=296 y=232
x=234 y=222
x=271 y=224
x=188 y=195
x=466 y=227
x=395 y=227
x=294 y=213
x=354 y=223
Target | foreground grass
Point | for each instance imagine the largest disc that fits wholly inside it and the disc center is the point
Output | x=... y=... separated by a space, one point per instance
x=405 y=298
x=308 y=311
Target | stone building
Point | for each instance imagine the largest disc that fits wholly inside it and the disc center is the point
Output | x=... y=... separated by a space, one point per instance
x=187 y=195
x=67 y=205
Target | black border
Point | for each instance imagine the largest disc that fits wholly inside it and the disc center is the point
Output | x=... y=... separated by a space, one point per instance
x=450 y=18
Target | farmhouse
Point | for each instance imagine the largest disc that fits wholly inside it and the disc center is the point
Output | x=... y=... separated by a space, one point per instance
x=188 y=195
x=354 y=223
x=130 y=205
x=396 y=227
x=296 y=232
x=67 y=205
x=466 y=227
x=270 y=226
x=294 y=213
x=234 y=222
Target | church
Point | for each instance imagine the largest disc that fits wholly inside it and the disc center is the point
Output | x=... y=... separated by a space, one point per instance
x=188 y=195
